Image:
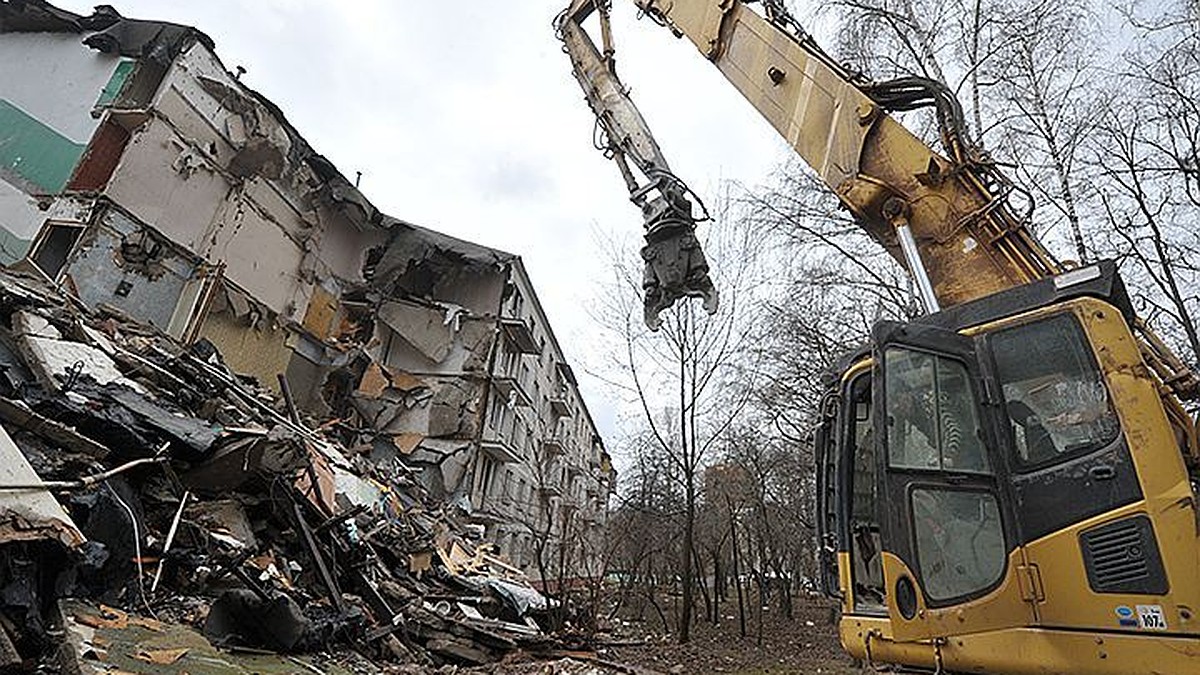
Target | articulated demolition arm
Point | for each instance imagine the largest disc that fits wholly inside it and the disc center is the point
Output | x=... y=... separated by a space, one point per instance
x=954 y=208
x=946 y=217
x=675 y=265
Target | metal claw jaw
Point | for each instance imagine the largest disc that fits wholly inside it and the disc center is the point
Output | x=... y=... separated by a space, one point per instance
x=675 y=269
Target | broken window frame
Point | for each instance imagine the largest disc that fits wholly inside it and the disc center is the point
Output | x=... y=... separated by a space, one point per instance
x=43 y=240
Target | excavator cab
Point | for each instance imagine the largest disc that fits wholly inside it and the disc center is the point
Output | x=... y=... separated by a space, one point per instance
x=1002 y=467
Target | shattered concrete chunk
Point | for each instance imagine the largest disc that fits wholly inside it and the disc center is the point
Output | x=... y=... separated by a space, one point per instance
x=28 y=513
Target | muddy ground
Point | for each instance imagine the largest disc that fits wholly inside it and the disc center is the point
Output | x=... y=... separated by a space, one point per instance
x=806 y=644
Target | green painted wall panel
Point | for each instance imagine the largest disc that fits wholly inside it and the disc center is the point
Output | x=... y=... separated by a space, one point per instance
x=35 y=152
x=115 y=83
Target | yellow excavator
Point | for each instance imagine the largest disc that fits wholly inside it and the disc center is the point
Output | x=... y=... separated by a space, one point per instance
x=1006 y=484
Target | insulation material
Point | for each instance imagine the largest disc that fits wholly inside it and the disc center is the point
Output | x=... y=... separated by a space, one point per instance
x=322 y=313
x=262 y=353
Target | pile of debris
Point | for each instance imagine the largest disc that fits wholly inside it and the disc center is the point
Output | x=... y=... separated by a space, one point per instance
x=145 y=475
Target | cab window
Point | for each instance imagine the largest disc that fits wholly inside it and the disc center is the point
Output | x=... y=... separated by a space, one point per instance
x=1054 y=394
x=960 y=541
x=932 y=420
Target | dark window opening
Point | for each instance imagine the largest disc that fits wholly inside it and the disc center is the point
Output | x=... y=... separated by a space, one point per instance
x=866 y=545
x=56 y=243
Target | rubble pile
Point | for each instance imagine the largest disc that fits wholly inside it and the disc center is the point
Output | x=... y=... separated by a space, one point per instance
x=145 y=477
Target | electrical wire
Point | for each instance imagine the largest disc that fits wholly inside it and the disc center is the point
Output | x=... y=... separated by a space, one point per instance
x=137 y=549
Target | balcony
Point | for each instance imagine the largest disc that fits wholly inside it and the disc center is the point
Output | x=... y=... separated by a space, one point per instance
x=499 y=450
x=519 y=335
x=552 y=446
x=559 y=406
x=566 y=374
x=510 y=389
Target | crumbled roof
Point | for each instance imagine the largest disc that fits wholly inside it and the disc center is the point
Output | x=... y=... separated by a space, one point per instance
x=111 y=33
x=33 y=16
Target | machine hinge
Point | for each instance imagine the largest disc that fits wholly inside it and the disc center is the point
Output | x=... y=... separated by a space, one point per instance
x=1030 y=579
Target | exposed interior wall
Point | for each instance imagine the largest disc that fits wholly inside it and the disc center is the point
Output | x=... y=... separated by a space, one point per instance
x=215 y=188
x=121 y=263
x=249 y=344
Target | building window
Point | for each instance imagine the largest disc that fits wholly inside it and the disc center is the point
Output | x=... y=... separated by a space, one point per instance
x=498 y=410
x=487 y=472
x=51 y=251
x=517 y=303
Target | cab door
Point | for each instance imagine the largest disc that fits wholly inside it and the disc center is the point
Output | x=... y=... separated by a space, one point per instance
x=951 y=561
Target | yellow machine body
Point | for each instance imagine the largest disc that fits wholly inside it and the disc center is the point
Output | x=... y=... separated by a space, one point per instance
x=1045 y=614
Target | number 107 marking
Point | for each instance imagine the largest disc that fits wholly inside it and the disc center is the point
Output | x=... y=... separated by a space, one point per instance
x=1151 y=617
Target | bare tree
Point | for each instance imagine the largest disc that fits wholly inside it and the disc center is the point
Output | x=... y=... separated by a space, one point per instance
x=1045 y=103
x=675 y=377
x=1147 y=155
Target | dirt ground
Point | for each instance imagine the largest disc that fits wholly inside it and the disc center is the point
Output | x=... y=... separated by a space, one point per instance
x=806 y=644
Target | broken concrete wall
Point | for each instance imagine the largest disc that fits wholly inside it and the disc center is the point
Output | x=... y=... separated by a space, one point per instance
x=420 y=338
x=425 y=390
x=49 y=86
x=421 y=263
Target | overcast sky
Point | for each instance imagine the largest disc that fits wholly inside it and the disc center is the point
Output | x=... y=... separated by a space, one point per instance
x=463 y=117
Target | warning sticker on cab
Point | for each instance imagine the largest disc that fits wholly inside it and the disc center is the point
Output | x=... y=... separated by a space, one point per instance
x=1151 y=617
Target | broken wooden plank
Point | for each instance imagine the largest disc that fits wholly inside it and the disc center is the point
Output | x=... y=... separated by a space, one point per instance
x=19 y=414
x=460 y=651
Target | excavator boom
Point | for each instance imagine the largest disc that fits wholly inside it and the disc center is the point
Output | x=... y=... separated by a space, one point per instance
x=675 y=264
x=966 y=235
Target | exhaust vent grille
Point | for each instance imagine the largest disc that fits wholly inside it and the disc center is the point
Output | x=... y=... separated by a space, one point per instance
x=1123 y=557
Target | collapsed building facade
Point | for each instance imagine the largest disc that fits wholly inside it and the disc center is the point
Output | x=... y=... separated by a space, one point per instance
x=141 y=177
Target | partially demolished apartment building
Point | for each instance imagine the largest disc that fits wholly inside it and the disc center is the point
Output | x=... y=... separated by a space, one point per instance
x=140 y=176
